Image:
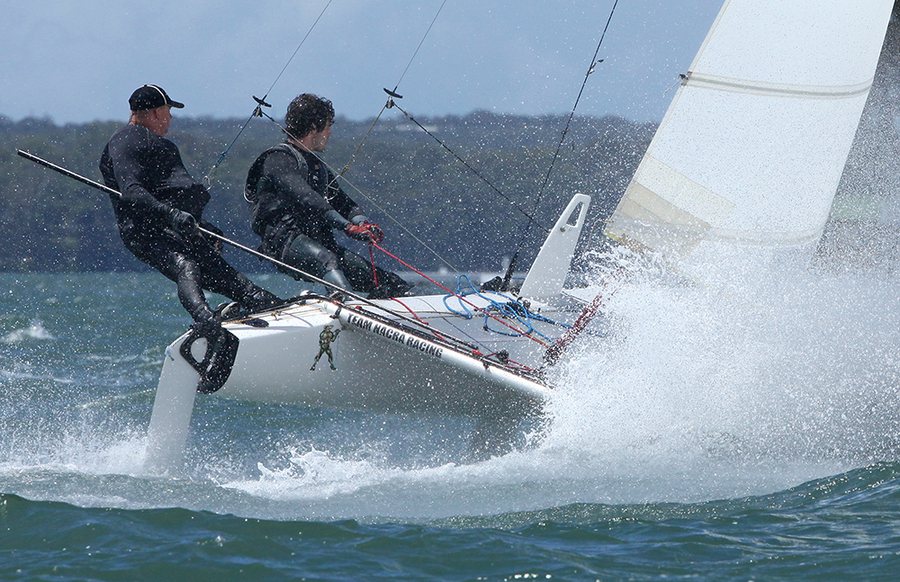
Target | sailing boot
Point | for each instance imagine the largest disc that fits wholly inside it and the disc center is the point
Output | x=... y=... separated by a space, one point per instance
x=206 y=322
x=258 y=299
x=336 y=277
x=390 y=285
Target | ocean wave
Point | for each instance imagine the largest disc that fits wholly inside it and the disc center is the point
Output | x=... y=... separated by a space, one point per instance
x=35 y=330
x=13 y=375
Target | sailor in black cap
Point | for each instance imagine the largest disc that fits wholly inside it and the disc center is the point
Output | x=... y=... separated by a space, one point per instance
x=161 y=207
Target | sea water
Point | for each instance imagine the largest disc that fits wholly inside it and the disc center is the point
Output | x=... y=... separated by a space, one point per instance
x=694 y=435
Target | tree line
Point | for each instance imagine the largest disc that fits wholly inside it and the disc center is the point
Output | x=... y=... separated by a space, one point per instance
x=437 y=211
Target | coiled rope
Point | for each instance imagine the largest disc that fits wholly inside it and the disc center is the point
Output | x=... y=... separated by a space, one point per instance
x=518 y=332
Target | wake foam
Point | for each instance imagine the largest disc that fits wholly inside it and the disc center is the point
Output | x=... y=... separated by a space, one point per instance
x=34 y=331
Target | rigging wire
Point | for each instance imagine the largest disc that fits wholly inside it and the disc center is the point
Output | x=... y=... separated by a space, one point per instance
x=421 y=42
x=466 y=164
x=261 y=102
x=392 y=94
x=591 y=68
x=401 y=225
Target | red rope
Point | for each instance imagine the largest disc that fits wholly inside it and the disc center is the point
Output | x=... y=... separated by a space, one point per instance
x=513 y=363
x=461 y=298
x=372 y=261
x=416 y=315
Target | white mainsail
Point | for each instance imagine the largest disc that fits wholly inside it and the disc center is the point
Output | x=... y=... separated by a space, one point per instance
x=745 y=164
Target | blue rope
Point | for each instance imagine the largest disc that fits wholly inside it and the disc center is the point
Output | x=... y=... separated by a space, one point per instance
x=465 y=313
x=511 y=309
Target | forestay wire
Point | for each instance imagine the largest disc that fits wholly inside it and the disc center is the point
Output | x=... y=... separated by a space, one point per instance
x=261 y=102
x=562 y=137
x=467 y=165
x=392 y=94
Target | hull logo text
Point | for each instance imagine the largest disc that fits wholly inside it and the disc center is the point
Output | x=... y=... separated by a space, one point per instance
x=396 y=335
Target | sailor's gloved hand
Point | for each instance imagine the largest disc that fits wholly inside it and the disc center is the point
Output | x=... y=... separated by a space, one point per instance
x=358 y=232
x=183 y=222
x=211 y=227
x=375 y=232
x=215 y=242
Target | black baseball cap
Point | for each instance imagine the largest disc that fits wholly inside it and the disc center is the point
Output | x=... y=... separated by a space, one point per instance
x=150 y=97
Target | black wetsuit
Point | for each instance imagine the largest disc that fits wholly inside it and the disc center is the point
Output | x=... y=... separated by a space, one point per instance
x=295 y=205
x=147 y=169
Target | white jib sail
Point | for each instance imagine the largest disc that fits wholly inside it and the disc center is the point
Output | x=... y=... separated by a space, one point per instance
x=746 y=161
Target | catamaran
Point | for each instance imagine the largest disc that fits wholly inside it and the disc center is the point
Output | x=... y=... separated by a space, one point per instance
x=479 y=354
x=740 y=175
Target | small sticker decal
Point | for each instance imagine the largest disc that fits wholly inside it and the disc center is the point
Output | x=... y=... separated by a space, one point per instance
x=325 y=338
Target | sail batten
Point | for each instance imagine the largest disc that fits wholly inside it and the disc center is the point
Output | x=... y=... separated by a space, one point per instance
x=778 y=89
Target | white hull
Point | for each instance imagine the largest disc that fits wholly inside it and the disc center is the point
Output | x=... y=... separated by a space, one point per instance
x=379 y=366
x=436 y=354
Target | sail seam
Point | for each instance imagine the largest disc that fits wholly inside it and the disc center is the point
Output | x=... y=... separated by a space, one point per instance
x=759 y=88
x=684 y=237
x=765 y=238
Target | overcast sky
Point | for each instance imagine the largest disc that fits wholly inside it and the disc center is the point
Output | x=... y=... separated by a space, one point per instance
x=79 y=61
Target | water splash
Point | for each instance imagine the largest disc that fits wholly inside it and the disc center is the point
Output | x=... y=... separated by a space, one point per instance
x=35 y=330
x=692 y=395
x=714 y=390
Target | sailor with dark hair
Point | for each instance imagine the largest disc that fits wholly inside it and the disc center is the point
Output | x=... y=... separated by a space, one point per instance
x=161 y=206
x=296 y=204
